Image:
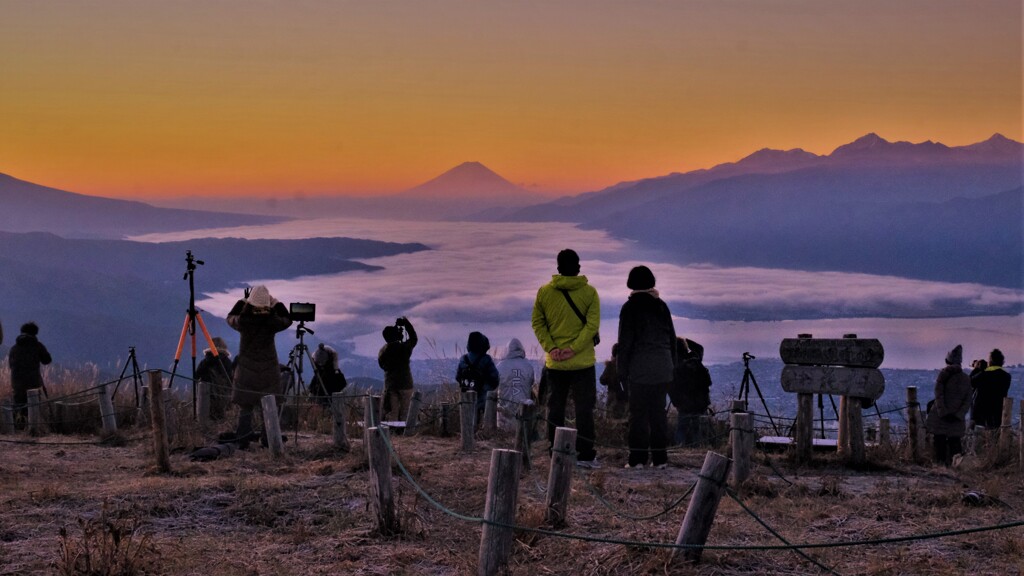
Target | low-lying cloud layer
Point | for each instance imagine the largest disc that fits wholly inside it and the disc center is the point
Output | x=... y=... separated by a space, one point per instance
x=485 y=276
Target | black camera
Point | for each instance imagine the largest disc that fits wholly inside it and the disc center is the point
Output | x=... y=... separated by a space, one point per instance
x=302 y=311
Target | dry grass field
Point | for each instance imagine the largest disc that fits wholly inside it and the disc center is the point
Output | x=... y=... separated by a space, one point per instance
x=72 y=505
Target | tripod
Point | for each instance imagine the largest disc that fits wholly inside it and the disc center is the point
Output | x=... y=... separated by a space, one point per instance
x=748 y=379
x=136 y=374
x=295 y=356
x=192 y=316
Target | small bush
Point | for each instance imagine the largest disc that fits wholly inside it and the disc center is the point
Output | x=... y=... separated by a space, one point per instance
x=107 y=547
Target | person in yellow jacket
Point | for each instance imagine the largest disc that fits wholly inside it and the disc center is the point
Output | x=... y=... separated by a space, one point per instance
x=566 y=318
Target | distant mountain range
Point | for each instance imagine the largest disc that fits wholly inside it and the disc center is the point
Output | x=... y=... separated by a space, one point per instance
x=29 y=207
x=923 y=210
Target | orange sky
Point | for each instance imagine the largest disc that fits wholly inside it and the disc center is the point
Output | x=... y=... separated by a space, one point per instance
x=142 y=99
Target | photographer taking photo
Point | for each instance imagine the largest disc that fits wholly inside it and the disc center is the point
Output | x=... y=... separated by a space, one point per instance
x=393 y=359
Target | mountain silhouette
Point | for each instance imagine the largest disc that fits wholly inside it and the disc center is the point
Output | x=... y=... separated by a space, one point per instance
x=29 y=207
x=472 y=181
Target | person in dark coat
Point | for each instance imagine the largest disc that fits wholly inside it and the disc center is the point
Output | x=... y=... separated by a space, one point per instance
x=477 y=372
x=947 y=416
x=217 y=371
x=991 y=385
x=393 y=359
x=24 y=359
x=646 y=362
x=618 y=397
x=258 y=318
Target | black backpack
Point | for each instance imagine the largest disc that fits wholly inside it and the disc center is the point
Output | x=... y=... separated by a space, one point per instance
x=470 y=376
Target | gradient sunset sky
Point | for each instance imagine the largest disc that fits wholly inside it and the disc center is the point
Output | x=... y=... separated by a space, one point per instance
x=161 y=98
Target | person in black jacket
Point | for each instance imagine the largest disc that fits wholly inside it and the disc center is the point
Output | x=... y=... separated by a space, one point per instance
x=991 y=385
x=25 y=358
x=690 y=391
x=646 y=362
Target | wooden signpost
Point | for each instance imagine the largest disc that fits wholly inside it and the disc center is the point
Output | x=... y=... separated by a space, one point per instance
x=847 y=367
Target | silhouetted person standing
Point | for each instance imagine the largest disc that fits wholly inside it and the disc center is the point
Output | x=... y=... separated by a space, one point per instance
x=991 y=385
x=566 y=318
x=393 y=359
x=258 y=318
x=646 y=362
x=217 y=371
x=477 y=372
x=25 y=358
x=947 y=416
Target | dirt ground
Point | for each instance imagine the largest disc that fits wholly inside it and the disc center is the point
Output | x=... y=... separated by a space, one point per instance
x=307 y=513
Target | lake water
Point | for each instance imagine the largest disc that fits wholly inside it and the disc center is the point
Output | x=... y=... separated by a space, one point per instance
x=484 y=276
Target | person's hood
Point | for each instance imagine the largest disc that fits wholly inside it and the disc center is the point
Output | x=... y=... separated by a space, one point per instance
x=568 y=282
x=24 y=339
x=260 y=297
x=515 y=349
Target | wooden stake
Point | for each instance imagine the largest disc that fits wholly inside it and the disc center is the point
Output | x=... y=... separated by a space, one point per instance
x=144 y=405
x=1006 y=430
x=914 y=427
x=563 y=458
x=6 y=418
x=107 y=415
x=370 y=417
x=884 y=438
x=855 y=431
x=523 y=429
x=843 y=439
x=412 y=418
x=163 y=462
x=491 y=411
x=804 y=427
x=700 y=515
x=742 y=440
x=272 y=425
x=381 y=499
x=467 y=417
x=339 y=424
x=502 y=494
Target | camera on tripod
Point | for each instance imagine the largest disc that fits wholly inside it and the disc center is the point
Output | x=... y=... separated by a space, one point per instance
x=302 y=311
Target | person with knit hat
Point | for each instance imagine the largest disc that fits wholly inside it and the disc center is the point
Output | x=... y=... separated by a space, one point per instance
x=25 y=359
x=566 y=318
x=646 y=364
x=948 y=413
x=258 y=318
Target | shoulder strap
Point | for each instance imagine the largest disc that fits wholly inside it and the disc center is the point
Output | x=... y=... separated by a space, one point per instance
x=573 y=305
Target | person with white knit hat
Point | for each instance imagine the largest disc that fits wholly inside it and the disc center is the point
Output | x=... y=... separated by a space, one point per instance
x=258 y=318
x=948 y=412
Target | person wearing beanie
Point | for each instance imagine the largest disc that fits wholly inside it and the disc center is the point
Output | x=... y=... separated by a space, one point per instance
x=646 y=364
x=948 y=413
x=393 y=359
x=477 y=372
x=216 y=369
x=566 y=317
x=991 y=385
x=258 y=318
x=25 y=359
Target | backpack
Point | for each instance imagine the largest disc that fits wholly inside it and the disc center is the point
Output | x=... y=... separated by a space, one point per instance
x=469 y=375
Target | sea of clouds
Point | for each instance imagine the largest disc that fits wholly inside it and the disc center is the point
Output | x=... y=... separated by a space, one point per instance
x=484 y=276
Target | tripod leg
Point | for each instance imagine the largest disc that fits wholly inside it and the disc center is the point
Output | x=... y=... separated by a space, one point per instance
x=177 y=353
x=763 y=403
x=213 y=347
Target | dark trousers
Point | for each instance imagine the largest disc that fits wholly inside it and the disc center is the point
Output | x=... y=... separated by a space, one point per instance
x=582 y=384
x=946 y=447
x=688 y=431
x=648 y=424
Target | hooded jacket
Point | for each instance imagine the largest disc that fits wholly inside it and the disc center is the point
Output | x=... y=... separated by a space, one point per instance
x=557 y=326
x=258 y=369
x=24 y=358
x=517 y=375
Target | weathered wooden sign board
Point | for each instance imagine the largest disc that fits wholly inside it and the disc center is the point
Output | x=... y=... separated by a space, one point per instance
x=838 y=380
x=858 y=352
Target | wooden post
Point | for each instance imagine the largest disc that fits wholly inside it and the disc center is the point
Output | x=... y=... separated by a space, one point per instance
x=170 y=415
x=491 y=411
x=502 y=494
x=381 y=499
x=370 y=417
x=6 y=418
x=467 y=417
x=700 y=514
x=843 y=438
x=884 y=439
x=338 y=418
x=412 y=418
x=163 y=462
x=742 y=440
x=203 y=393
x=107 y=415
x=914 y=425
x=563 y=458
x=1006 y=430
x=446 y=420
x=1021 y=461
x=855 y=431
x=523 y=429
x=804 y=427
x=271 y=425
x=738 y=406
x=35 y=420
x=143 y=405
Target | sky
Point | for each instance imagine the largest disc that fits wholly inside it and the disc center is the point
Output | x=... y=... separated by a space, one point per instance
x=146 y=99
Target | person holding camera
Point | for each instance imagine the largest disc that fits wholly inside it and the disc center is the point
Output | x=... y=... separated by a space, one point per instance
x=24 y=359
x=991 y=385
x=258 y=318
x=327 y=375
x=393 y=359
x=566 y=317
x=946 y=418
